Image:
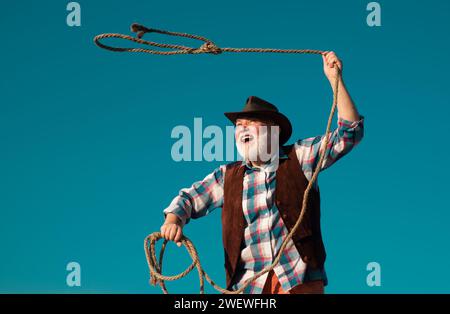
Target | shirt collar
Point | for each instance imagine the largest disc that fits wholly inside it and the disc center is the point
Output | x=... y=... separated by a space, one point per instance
x=268 y=167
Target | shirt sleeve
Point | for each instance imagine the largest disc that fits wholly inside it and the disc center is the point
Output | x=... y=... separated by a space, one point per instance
x=342 y=140
x=199 y=199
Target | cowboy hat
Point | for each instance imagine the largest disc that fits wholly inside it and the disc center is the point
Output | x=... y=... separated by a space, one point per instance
x=256 y=107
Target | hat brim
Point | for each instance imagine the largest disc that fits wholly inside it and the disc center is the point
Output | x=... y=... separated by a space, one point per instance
x=277 y=117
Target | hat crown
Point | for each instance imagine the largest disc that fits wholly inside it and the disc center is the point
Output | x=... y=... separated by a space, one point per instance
x=255 y=103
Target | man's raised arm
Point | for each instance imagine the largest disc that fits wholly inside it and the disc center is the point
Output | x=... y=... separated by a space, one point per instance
x=344 y=138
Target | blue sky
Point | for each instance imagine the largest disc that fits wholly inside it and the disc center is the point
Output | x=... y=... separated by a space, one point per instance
x=85 y=164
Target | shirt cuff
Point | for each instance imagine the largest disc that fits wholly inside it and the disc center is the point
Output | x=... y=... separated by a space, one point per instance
x=179 y=212
x=350 y=124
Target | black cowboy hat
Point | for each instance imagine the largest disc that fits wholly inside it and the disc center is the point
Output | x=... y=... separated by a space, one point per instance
x=256 y=107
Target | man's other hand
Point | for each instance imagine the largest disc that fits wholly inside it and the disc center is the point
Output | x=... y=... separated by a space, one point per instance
x=172 y=231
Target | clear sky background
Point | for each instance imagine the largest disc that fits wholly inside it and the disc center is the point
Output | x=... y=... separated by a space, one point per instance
x=85 y=163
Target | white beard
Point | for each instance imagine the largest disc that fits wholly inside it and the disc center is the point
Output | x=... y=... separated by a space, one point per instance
x=257 y=148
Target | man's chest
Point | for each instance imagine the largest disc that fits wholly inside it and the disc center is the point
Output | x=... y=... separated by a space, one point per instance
x=258 y=195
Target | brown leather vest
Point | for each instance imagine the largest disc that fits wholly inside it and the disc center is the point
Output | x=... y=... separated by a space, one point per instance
x=291 y=184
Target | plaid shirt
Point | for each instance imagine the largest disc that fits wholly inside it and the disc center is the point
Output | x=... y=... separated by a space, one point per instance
x=265 y=230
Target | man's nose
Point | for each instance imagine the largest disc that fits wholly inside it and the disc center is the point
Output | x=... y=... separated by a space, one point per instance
x=241 y=128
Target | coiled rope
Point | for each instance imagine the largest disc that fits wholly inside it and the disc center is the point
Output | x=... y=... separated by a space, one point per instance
x=155 y=267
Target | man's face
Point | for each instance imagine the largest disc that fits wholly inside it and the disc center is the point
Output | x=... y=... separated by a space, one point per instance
x=255 y=137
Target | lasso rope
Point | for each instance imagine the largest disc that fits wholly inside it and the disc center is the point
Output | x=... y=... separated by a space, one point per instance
x=208 y=46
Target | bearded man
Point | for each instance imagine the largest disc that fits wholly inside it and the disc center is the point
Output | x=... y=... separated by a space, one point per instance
x=261 y=195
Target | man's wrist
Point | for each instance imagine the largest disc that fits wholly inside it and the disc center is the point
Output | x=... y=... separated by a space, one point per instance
x=333 y=82
x=173 y=219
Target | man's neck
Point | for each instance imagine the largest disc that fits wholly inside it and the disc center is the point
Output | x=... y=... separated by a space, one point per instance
x=259 y=163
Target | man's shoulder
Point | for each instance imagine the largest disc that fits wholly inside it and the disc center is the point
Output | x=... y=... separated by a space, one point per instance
x=287 y=148
x=233 y=163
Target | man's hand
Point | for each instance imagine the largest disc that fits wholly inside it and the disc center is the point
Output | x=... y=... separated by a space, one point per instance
x=330 y=60
x=172 y=230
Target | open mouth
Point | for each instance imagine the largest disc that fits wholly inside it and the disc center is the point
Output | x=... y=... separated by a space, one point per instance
x=246 y=138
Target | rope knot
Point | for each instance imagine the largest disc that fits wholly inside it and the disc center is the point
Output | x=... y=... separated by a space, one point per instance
x=153 y=280
x=139 y=29
x=209 y=47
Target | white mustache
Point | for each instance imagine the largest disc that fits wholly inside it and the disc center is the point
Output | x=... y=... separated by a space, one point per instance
x=246 y=137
